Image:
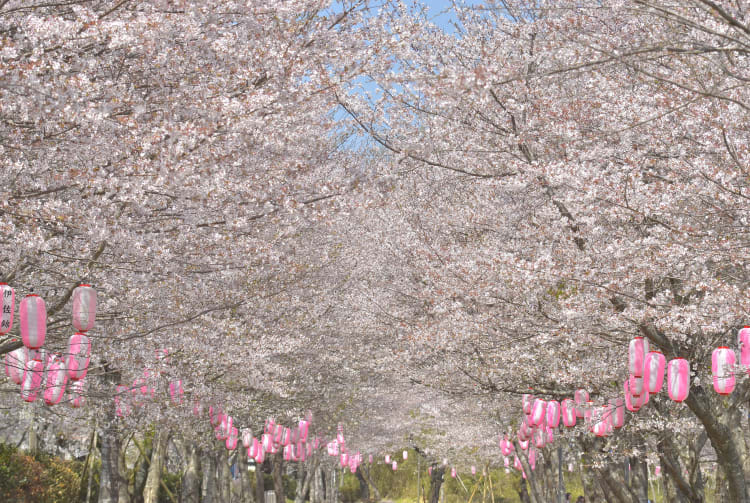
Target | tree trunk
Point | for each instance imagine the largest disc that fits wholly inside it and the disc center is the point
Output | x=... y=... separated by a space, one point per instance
x=260 y=487
x=304 y=481
x=153 y=479
x=123 y=495
x=223 y=476
x=190 y=492
x=332 y=487
x=317 y=492
x=141 y=472
x=722 y=423
x=246 y=489
x=109 y=476
x=523 y=491
x=209 y=480
x=591 y=488
x=436 y=480
x=364 y=488
x=278 y=480
x=372 y=487
x=536 y=493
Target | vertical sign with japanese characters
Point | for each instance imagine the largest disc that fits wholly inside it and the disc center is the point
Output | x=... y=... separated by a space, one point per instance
x=9 y=302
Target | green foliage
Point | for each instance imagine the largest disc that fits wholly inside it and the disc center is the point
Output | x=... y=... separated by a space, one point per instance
x=174 y=482
x=349 y=490
x=38 y=479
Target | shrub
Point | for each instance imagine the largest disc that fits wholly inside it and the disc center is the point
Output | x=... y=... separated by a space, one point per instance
x=38 y=479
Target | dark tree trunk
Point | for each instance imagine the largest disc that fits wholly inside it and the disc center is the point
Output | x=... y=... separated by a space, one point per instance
x=364 y=488
x=191 y=489
x=158 y=453
x=209 y=480
x=260 y=487
x=436 y=480
x=278 y=479
x=722 y=423
x=246 y=490
x=223 y=476
x=109 y=477
x=523 y=491
x=141 y=472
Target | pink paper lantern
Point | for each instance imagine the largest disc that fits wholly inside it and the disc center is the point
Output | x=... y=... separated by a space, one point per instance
x=394 y=465
x=255 y=448
x=387 y=458
x=506 y=446
x=79 y=356
x=506 y=461
x=278 y=432
x=84 y=308
x=57 y=378
x=15 y=362
x=743 y=341
x=538 y=411
x=581 y=396
x=270 y=426
x=517 y=463
x=304 y=427
x=540 y=438
x=636 y=385
x=524 y=432
x=176 y=391
x=77 y=393
x=333 y=448
x=532 y=459
x=247 y=438
x=288 y=453
x=224 y=427
x=526 y=401
x=636 y=356
x=550 y=435
x=653 y=372
x=642 y=399
x=657 y=471
x=33 y=373
x=553 y=414
x=629 y=397
x=286 y=437
x=678 y=379
x=370 y=458
x=473 y=470
x=8 y=296
x=33 y=314
x=231 y=442
x=267 y=442
x=406 y=455
x=588 y=411
x=618 y=412
x=568 y=412
x=260 y=457
x=197 y=409
x=429 y=470
x=523 y=444
x=453 y=473
x=723 y=360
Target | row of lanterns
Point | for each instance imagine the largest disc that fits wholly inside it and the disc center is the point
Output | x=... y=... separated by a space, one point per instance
x=33 y=368
x=143 y=388
x=646 y=377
